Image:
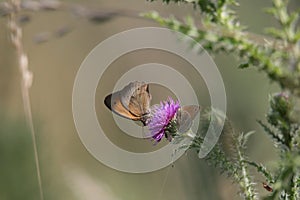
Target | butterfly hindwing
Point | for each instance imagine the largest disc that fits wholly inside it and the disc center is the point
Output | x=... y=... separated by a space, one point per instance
x=193 y=110
x=184 y=121
x=185 y=117
x=113 y=102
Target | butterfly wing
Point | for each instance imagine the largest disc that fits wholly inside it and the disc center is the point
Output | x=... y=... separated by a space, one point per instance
x=113 y=102
x=184 y=121
x=132 y=102
x=185 y=117
x=128 y=92
x=193 y=110
x=136 y=99
x=140 y=101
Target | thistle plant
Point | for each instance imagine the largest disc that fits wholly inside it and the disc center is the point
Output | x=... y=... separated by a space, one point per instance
x=277 y=54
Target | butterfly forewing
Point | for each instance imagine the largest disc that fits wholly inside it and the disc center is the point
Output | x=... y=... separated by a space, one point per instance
x=128 y=92
x=140 y=102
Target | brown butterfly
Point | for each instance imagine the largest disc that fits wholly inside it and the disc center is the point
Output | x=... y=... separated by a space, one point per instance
x=132 y=102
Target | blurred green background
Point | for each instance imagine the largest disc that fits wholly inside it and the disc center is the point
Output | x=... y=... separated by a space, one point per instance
x=68 y=170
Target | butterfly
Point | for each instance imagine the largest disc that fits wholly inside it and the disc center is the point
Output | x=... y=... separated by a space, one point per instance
x=185 y=116
x=132 y=102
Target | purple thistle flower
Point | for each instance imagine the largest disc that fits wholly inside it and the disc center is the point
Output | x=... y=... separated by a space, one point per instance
x=161 y=119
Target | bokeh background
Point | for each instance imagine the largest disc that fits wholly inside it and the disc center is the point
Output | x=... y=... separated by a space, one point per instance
x=68 y=171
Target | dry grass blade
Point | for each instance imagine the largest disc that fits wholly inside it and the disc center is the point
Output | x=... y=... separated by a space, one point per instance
x=26 y=80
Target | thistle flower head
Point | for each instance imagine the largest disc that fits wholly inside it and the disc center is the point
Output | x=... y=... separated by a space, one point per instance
x=162 y=122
